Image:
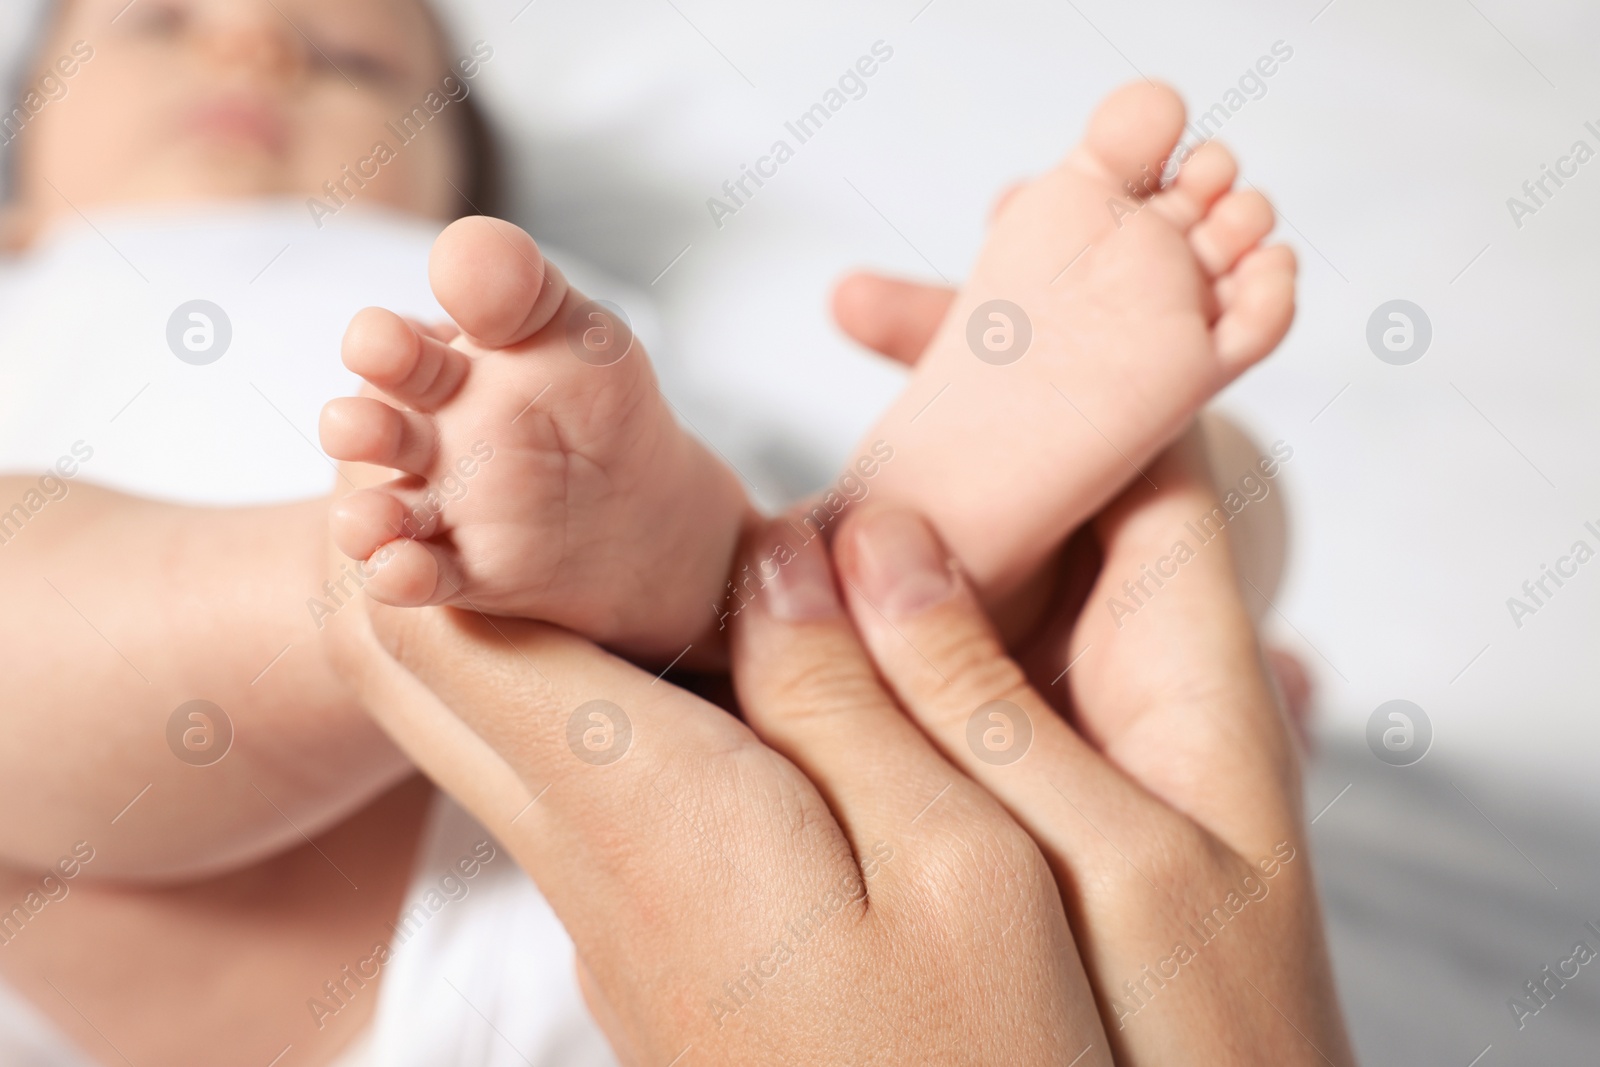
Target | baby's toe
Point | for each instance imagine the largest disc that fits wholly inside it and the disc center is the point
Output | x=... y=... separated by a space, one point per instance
x=1257 y=301
x=1204 y=177
x=1236 y=224
x=360 y=429
x=1131 y=135
x=415 y=367
x=491 y=278
x=410 y=574
x=365 y=520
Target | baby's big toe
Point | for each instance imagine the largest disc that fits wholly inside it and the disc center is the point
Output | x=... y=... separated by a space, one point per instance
x=491 y=278
x=1132 y=133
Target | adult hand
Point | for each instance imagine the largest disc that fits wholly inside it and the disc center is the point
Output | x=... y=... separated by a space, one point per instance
x=726 y=907
x=1169 y=806
x=1170 y=814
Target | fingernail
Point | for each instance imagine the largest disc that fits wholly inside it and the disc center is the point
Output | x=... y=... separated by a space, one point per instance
x=802 y=590
x=903 y=569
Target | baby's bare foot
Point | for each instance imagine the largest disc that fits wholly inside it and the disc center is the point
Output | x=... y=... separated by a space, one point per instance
x=543 y=473
x=1141 y=301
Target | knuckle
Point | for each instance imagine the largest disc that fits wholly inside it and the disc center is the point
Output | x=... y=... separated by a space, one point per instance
x=976 y=670
x=1173 y=860
x=990 y=862
x=822 y=689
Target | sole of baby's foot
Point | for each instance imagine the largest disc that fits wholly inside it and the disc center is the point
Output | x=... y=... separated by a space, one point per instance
x=1106 y=307
x=541 y=472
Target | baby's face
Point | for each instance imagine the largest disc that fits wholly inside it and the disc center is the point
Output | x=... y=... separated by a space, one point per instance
x=202 y=99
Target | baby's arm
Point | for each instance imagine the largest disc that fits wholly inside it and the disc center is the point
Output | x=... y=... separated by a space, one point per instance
x=119 y=610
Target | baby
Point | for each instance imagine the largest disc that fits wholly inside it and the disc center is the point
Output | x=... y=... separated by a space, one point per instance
x=1106 y=306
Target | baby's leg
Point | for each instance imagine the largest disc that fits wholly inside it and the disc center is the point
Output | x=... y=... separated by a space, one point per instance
x=544 y=474
x=1104 y=310
x=169 y=700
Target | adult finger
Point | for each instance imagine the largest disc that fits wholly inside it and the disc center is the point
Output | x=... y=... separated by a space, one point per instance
x=431 y=735
x=1132 y=869
x=617 y=769
x=925 y=837
x=1167 y=671
x=588 y=713
x=809 y=690
x=933 y=644
x=892 y=317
